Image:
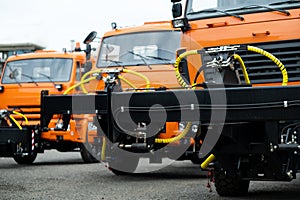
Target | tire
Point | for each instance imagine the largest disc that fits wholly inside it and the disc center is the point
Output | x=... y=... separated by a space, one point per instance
x=130 y=167
x=25 y=160
x=123 y=164
x=230 y=186
x=86 y=156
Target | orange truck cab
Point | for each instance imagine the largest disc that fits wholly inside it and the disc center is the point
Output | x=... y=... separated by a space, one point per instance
x=257 y=43
x=24 y=77
x=141 y=58
x=269 y=24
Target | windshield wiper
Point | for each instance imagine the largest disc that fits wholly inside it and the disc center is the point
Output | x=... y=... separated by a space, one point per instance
x=30 y=78
x=142 y=57
x=48 y=77
x=159 y=58
x=221 y=11
x=261 y=6
x=284 y=2
x=13 y=76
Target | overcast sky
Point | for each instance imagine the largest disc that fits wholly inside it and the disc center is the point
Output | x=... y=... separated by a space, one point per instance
x=53 y=23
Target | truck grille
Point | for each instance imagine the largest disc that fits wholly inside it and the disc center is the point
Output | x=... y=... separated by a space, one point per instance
x=263 y=70
x=32 y=112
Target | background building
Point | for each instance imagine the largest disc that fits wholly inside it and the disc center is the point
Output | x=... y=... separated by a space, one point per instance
x=7 y=50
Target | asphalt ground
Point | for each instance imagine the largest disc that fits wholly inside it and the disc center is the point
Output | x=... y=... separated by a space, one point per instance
x=56 y=175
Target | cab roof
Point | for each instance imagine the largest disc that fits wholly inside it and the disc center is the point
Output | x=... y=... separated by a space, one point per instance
x=47 y=54
x=146 y=27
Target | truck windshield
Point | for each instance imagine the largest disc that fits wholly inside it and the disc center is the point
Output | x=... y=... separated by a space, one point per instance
x=215 y=8
x=146 y=48
x=37 y=70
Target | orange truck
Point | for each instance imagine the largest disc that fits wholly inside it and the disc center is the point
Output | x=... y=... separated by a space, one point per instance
x=24 y=77
x=253 y=44
x=237 y=68
x=141 y=58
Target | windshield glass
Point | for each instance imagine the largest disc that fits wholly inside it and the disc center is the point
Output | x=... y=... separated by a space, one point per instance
x=147 y=48
x=38 y=70
x=208 y=8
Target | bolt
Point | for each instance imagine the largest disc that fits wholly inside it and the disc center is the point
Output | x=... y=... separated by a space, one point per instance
x=295 y=152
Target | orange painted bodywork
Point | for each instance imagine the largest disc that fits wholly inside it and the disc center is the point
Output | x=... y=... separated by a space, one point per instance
x=162 y=75
x=27 y=97
x=256 y=28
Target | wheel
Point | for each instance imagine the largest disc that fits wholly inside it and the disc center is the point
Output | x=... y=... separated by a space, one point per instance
x=86 y=156
x=230 y=186
x=25 y=160
x=123 y=168
x=123 y=163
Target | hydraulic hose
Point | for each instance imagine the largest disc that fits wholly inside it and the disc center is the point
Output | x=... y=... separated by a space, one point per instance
x=20 y=114
x=178 y=137
x=78 y=84
x=185 y=85
x=16 y=122
x=139 y=75
x=127 y=81
x=208 y=160
x=240 y=60
x=242 y=64
x=176 y=66
x=84 y=77
x=103 y=151
x=120 y=77
x=274 y=59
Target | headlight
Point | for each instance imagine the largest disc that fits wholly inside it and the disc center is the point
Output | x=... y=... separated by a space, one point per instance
x=1 y=88
x=91 y=126
x=195 y=128
x=181 y=126
x=181 y=23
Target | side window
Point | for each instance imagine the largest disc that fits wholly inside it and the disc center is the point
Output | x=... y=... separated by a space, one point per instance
x=78 y=71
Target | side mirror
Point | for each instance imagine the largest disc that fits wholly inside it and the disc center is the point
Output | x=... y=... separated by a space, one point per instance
x=90 y=37
x=177 y=10
x=87 y=41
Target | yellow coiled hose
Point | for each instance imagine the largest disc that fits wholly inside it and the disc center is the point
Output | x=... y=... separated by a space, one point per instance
x=176 y=66
x=176 y=138
x=247 y=80
x=182 y=82
x=275 y=60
